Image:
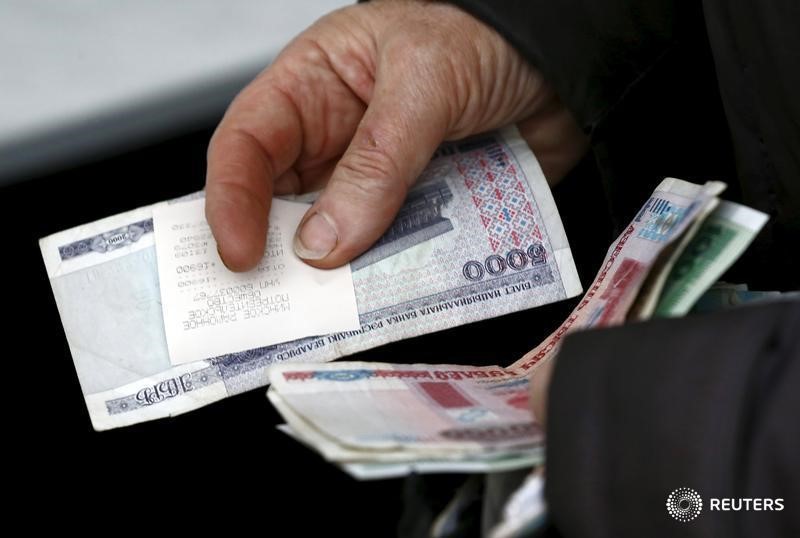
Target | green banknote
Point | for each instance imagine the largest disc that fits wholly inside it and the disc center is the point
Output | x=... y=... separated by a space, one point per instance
x=719 y=242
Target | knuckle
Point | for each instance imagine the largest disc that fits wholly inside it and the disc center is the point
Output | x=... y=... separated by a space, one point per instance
x=371 y=161
x=370 y=175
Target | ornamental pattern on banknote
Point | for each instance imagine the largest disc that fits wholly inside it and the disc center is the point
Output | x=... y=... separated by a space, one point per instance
x=233 y=365
x=343 y=375
x=500 y=196
x=107 y=241
x=444 y=203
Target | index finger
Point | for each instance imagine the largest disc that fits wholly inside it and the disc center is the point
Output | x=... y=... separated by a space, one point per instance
x=258 y=139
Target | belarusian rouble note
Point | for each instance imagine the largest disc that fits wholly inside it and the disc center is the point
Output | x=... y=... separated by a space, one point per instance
x=722 y=238
x=396 y=412
x=479 y=236
x=362 y=466
x=499 y=464
x=650 y=290
x=673 y=207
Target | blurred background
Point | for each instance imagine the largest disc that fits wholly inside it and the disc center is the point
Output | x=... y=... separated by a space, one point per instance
x=82 y=79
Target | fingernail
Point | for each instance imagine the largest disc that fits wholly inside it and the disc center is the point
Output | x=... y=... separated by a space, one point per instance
x=316 y=238
x=222 y=259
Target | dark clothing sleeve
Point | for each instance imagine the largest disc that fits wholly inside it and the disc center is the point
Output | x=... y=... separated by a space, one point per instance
x=704 y=402
x=593 y=52
x=756 y=50
x=696 y=90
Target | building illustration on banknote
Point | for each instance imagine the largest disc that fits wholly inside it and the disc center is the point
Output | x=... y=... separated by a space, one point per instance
x=419 y=220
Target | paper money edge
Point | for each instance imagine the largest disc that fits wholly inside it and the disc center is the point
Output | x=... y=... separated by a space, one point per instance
x=171 y=405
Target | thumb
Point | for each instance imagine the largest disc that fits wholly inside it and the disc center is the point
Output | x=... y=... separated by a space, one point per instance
x=400 y=130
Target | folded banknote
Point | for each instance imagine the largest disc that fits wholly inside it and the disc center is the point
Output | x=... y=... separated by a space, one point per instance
x=479 y=236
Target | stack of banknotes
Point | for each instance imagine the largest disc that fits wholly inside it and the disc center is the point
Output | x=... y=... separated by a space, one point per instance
x=382 y=420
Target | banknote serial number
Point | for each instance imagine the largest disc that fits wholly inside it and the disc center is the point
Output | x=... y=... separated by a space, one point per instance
x=193 y=267
x=515 y=260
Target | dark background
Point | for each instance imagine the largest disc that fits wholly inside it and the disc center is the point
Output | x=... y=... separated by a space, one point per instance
x=224 y=463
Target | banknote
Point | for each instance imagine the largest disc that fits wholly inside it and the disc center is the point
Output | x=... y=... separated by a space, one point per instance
x=722 y=238
x=479 y=236
x=674 y=206
x=499 y=464
x=362 y=467
x=650 y=290
x=397 y=412
x=382 y=412
x=379 y=464
x=334 y=450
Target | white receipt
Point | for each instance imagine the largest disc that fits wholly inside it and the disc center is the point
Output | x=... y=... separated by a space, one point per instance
x=211 y=311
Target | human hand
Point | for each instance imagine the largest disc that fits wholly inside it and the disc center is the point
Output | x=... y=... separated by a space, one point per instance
x=359 y=102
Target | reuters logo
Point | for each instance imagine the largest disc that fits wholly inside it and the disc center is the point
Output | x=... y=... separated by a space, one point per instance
x=684 y=504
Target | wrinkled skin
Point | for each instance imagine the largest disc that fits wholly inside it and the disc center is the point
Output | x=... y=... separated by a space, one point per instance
x=359 y=102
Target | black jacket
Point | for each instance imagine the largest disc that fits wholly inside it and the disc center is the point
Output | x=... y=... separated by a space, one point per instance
x=696 y=90
x=703 y=402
